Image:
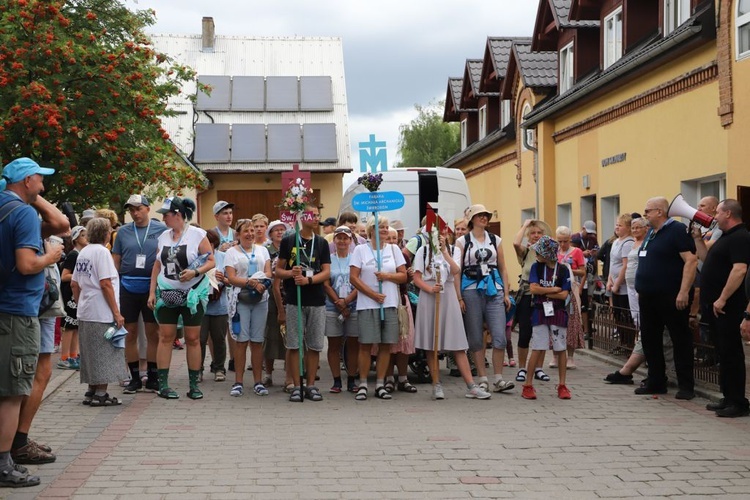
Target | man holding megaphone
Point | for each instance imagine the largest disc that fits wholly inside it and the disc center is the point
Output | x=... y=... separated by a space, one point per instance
x=666 y=270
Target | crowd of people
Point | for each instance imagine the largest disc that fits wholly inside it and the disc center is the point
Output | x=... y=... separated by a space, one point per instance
x=365 y=293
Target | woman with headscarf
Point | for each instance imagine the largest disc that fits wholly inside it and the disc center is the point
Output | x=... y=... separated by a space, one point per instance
x=179 y=289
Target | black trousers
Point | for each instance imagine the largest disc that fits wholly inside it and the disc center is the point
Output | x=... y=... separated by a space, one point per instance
x=658 y=311
x=726 y=331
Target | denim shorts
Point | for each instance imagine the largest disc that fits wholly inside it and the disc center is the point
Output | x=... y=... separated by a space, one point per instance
x=47 y=335
x=481 y=309
x=19 y=351
x=253 y=319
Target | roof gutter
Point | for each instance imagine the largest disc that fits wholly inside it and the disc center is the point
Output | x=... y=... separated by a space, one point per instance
x=625 y=68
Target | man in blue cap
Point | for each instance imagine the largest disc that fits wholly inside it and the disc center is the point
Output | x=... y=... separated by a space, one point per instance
x=22 y=260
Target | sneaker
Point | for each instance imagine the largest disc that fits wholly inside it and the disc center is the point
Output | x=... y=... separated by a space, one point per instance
x=237 y=390
x=335 y=388
x=151 y=386
x=31 y=454
x=134 y=386
x=476 y=392
x=502 y=386
x=563 y=392
x=76 y=362
x=618 y=378
x=437 y=391
x=219 y=377
x=260 y=389
x=66 y=365
x=528 y=392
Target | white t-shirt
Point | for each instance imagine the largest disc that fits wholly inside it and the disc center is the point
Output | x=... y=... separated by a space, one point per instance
x=236 y=259
x=93 y=265
x=364 y=258
x=478 y=253
x=419 y=263
x=176 y=256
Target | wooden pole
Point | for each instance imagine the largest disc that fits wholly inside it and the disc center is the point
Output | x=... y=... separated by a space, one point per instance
x=436 y=346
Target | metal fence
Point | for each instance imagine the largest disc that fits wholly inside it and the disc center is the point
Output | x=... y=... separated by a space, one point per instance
x=614 y=332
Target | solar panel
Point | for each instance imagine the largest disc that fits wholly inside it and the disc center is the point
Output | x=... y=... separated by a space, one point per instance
x=319 y=142
x=248 y=142
x=284 y=142
x=316 y=93
x=211 y=143
x=220 y=98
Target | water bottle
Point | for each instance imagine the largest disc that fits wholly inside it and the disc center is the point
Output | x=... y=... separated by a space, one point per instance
x=199 y=261
x=110 y=331
x=236 y=328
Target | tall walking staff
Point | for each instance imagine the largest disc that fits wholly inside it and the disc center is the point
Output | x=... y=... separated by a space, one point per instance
x=371 y=182
x=295 y=199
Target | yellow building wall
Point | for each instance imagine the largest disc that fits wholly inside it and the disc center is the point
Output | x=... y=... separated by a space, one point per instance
x=330 y=185
x=738 y=164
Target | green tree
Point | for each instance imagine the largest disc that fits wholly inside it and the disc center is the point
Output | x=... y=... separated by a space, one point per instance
x=427 y=141
x=83 y=90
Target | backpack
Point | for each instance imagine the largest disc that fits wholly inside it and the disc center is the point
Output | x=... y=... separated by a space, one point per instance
x=470 y=271
x=5 y=211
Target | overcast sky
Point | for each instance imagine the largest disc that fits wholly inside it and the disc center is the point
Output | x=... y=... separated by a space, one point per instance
x=397 y=53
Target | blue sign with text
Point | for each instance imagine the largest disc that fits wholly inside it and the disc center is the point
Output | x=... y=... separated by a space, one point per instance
x=378 y=201
x=373 y=154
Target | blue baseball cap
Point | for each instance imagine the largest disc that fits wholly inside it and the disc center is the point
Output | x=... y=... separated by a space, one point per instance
x=20 y=168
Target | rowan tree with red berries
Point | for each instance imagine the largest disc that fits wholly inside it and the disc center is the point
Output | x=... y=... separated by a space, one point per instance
x=82 y=90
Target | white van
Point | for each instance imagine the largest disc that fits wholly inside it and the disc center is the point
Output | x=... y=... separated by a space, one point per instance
x=445 y=188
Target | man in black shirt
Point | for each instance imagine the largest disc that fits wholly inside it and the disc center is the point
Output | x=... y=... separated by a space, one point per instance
x=313 y=270
x=666 y=270
x=723 y=298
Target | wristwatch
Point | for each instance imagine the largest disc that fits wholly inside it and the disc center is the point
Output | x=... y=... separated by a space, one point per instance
x=746 y=315
x=309 y=280
x=197 y=273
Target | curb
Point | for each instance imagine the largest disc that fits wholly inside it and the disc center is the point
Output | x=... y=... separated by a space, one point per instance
x=57 y=381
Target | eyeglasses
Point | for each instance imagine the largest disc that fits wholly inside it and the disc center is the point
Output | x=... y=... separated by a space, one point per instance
x=647 y=210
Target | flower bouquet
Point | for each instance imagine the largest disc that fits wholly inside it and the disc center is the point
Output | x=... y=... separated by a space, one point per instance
x=371 y=181
x=297 y=196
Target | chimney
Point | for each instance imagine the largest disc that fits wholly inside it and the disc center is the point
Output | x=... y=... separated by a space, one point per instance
x=208 y=34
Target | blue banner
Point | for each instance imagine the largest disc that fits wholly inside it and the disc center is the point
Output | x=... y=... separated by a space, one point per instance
x=378 y=201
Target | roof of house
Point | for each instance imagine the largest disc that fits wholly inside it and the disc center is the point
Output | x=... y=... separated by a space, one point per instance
x=538 y=69
x=500 y=50
x=647 y=52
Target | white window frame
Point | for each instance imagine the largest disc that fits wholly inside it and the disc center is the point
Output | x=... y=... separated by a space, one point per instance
x=613 y=37
x=505 y=113
x=529 y=132
x=565 y=214
x=610 y=211
x=695 y=189
x=482 y=122
x=566 y=68
x=742 y=23
x=528 y=213
x=676 y=12
x=464 y=131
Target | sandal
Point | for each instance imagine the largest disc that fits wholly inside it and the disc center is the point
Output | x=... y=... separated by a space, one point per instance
x=540 y=375
x=168 y=393
x=88 y=396
x=390 y=386
x=313 y=393
x=406 y=387
x=105 y=400
x=361 y=394
x=289 y=388
x=381 y=393
x=521 y=375
x=18 y=477
x=296 y=396
x=195 y=393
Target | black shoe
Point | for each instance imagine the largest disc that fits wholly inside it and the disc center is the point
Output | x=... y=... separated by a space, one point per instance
x=152 y=386
x=650 y=390
x=134 y=386
x=230 y=367
x=719 y=405
x=684 y=394
x=618 y=378
x=733 y=411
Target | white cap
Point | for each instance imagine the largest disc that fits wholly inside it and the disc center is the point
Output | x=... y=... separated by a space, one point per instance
x=221 y=205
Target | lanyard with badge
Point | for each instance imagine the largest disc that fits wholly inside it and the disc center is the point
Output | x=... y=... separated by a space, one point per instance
x=549 y=309
x=650 y=236
x=309 y=273
x=252 y=264
x=140 y=259
x=171 y=269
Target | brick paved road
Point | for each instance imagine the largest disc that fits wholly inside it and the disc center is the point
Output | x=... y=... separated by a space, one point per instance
x=604 y=443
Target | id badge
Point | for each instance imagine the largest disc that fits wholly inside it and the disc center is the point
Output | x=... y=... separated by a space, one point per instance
x=308 y=273
x=171 y=271
x=642 y=253
x=549 y=310
x=140 y=261
x=485 y=269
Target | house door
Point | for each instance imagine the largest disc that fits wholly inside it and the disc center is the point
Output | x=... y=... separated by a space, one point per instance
x=250 y=202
